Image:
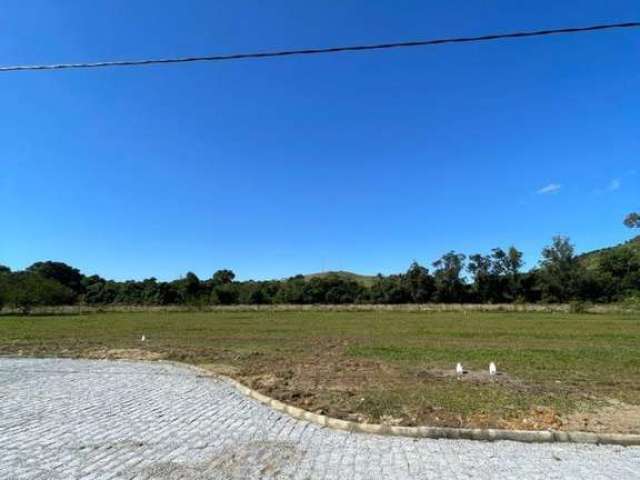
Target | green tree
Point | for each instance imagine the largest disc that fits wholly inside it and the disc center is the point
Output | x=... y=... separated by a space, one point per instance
x=390 y=289
x=292 y=290
x=225 y=294
x=496 y=277
x=506 y=270
x=619 y=272
x=5 y=273
x=189 y=288
x=560 y=273
x=419 y=283
x=24 y=290
x=450 y=286
x=258 y=293
x=258 y=297
x=632 y=220
x=61 y=272
x=222 y=277
x=101 y=292
x=480 y=267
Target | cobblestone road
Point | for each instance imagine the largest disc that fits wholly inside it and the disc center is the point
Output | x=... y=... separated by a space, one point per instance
x=68 y=419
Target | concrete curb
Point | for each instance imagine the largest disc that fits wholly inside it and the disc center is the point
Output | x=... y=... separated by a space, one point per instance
x=527 y=436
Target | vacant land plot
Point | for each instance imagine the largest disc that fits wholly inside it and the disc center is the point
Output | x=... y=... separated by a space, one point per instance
x=565 y=371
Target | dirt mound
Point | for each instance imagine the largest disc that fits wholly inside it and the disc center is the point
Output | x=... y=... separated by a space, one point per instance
x=476 y=376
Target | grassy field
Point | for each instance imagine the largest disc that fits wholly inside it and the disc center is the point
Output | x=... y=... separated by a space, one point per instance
x=567 y=371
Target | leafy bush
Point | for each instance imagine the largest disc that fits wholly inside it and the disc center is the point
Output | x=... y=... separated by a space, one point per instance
x=578 y=306
x=632 y=302
x=24 y=290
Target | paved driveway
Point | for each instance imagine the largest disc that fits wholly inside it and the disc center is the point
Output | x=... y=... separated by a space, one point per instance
x=64 y=419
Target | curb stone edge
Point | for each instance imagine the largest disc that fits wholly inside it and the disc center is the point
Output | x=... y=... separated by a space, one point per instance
x=482 y=434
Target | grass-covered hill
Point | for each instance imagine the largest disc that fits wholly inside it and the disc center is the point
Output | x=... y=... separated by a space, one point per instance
x=366 y=280
x=591 y=260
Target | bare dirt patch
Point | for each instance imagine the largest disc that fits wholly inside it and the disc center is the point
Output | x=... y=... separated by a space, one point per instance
x=220 y=369
x=614 y=416
x=474 y=376
x=328 y=382
x=322 y=380
x=537 y=418
x=333 y=386
x=123 y=354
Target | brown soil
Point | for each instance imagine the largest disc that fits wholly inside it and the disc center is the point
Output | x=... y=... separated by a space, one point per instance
x=615 y=416
x=122 y=354
x=538 y=418
x=220 y=369
x=323 y=380
x=473 y=376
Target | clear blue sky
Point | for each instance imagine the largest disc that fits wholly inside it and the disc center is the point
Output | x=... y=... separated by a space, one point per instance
x=361 y=161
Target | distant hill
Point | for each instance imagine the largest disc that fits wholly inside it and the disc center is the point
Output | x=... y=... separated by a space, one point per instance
x=590 y=259
x=366 y=280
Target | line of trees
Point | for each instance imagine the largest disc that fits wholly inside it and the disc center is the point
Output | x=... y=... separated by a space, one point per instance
x=496 y=277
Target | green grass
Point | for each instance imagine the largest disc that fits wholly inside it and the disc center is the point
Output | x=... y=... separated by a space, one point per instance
x=374 y=363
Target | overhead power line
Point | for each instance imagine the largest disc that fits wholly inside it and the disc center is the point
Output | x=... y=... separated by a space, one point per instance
x=315 y=51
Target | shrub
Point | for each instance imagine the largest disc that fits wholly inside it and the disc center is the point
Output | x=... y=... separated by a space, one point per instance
x=578 y=306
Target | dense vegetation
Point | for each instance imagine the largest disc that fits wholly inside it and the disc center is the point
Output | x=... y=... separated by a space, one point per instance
x=603 y=276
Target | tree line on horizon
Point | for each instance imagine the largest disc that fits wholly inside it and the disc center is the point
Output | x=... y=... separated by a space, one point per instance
x=497 y=277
